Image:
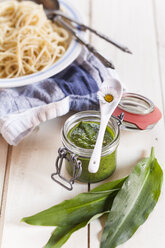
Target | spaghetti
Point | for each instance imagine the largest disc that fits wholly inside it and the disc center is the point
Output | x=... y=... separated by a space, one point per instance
x=29 y=42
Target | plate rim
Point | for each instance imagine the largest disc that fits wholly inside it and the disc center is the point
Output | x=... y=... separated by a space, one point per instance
x=71 y=54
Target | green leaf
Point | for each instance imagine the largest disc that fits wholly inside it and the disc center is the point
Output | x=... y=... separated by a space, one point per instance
x=79 y=209
x=134 y=202
x=117 y=184
x=62 y=234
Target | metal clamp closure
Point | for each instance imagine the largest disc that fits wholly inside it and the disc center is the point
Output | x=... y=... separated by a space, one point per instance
x=119 y=118
x=77 y=168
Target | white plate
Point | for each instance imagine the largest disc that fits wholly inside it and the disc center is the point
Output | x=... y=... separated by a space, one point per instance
x=71 y=54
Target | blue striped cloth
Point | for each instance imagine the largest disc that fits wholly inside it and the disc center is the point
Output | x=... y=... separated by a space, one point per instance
x=23 y=108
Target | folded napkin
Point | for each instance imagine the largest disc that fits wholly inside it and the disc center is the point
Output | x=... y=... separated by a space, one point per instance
x=75 y=88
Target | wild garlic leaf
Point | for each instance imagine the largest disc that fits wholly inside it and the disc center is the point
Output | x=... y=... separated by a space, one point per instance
x=61 y=234
x=134 y=202
x=78 y=209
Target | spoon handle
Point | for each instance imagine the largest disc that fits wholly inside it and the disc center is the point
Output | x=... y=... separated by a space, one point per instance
x=105 y=62
x=96 y=155
x=103 y=36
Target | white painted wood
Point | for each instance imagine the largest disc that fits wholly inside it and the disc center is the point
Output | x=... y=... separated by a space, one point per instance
x=124 y=21
x=3 y=157
x=159 y=8
x=132 y=23
x=31 y=189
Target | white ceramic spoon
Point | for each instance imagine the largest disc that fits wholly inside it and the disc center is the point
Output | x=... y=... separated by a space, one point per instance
x=109 y=96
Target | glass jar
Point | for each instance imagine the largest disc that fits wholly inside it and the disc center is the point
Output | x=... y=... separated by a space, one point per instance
x=77 y=158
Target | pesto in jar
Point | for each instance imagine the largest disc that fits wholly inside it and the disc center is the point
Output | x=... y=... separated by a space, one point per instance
x=84 y=135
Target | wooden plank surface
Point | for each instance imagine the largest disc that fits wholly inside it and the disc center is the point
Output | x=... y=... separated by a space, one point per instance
x=3 y=177
x=132 y=23
x=140 y=25
x=159 y=8
x=31 y=189
x=3 y=160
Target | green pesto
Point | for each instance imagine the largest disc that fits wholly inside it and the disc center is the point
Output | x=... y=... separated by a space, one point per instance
x=84 y=135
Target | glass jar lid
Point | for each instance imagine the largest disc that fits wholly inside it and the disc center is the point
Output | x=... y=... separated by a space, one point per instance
x=139 y=112
x=136 y=104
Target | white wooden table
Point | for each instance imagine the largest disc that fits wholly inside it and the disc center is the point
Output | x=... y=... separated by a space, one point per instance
x=25 y=184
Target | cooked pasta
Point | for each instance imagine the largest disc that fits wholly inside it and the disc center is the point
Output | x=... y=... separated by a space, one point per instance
x=29 y=42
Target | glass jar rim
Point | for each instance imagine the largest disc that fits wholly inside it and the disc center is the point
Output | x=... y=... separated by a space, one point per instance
x=136 y=104
x=83 y=152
